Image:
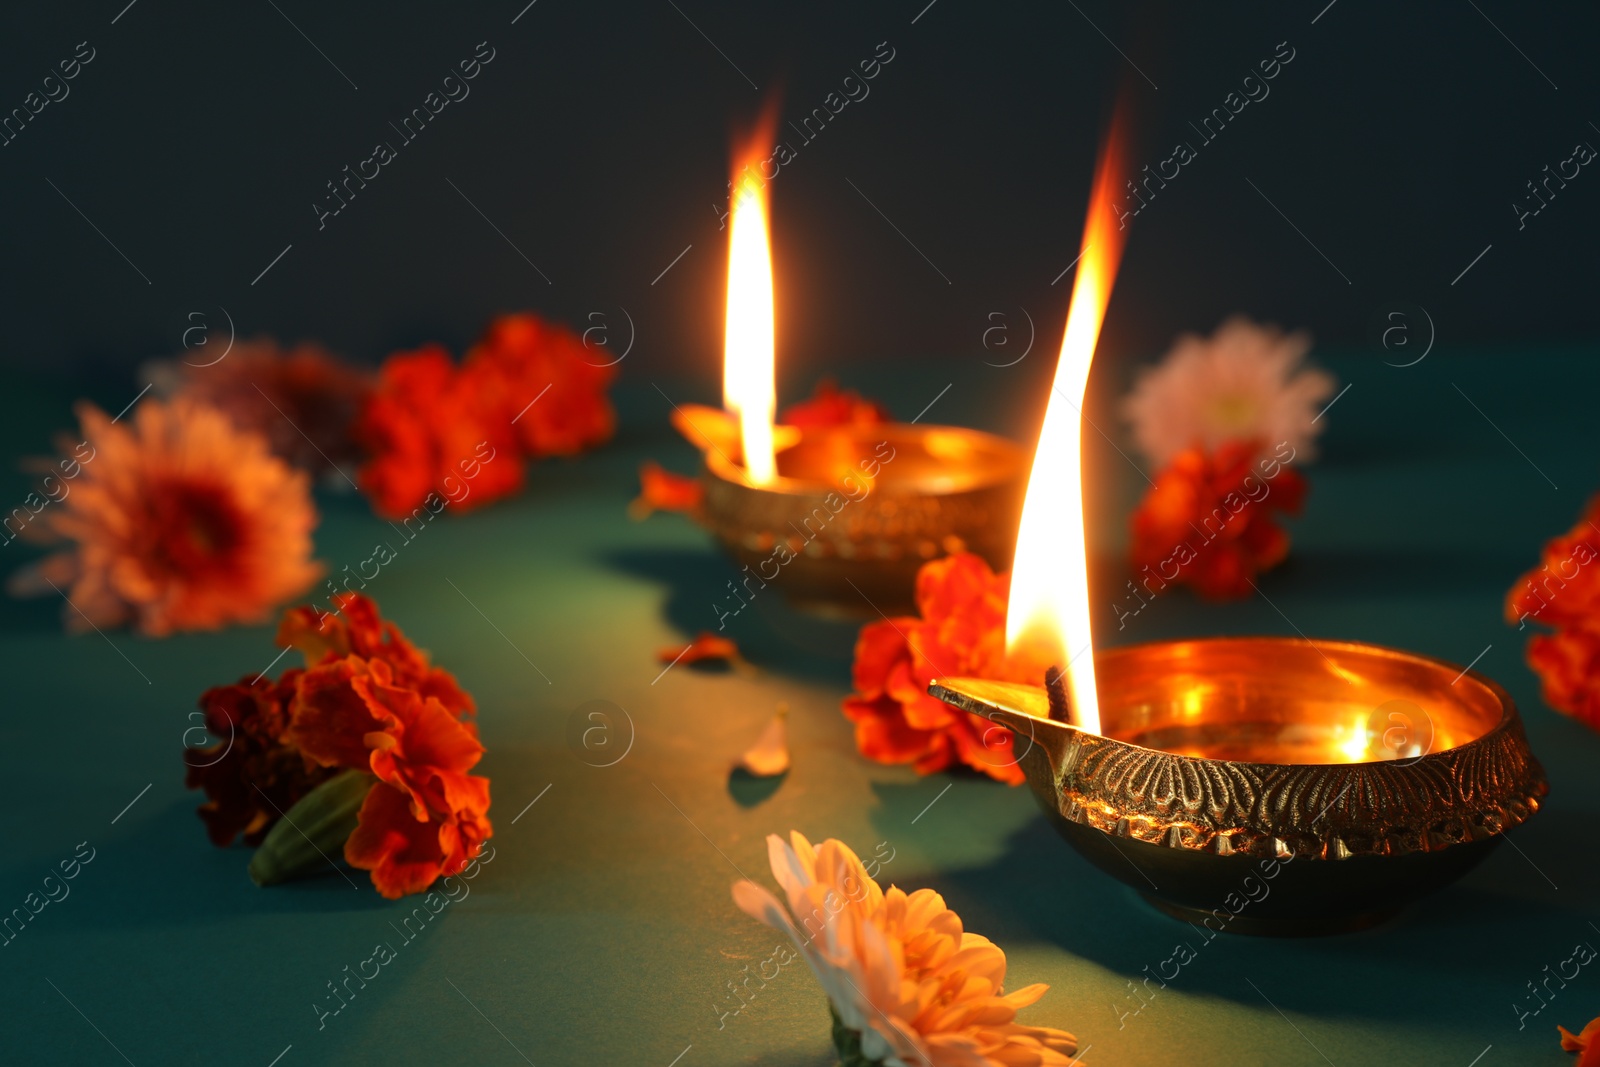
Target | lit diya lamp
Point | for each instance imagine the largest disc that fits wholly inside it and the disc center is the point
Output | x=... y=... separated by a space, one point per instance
x=840 y=518
x=1257 y=784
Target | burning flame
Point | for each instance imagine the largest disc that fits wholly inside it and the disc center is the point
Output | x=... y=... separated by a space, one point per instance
x=1049 y=605
x=749 y=388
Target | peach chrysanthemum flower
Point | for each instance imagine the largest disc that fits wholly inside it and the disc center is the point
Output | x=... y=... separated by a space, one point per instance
x=178 y=521
x=1245 y=382
x=909 y=986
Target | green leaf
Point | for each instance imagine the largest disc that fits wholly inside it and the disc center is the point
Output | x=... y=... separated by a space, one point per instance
x=312 y=833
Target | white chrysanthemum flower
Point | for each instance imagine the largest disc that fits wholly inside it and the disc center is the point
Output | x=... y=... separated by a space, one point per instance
x=1245 y=382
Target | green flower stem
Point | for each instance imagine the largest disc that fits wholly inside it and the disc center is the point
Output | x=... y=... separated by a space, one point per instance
x=313 y=832
x=848 y=1044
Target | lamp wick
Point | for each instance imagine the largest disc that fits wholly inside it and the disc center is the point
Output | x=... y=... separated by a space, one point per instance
x=1055 y=684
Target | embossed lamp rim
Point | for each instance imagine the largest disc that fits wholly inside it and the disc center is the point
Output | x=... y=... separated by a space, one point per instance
x=1465 y=791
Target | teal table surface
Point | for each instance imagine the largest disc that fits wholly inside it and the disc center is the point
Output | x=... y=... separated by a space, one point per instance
x=603 y=931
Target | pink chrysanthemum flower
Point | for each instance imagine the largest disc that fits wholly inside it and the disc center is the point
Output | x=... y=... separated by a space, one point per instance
x=1245 y=382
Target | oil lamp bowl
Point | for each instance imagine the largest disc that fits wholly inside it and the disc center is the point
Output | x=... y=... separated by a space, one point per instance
x=1270 y=785
x=867 y=505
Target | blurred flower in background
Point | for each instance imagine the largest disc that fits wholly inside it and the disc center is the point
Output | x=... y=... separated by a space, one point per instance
x=550 y=387
x=525 y=391
x=179 y=521
x=426 y=419
x=829 y=405
x=1209 y=522
x=1221 y=419
x=1563 y=593
x=303 y=400
x=1244 y=382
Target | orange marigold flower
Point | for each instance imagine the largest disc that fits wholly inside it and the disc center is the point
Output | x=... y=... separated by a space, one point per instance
x=663 y=490
x=551 y=382
x=179 y=521
x=426 y=816
x=370 y=699
x=303 y=400
x=367 y=700
x=1587 y=1042
x=406 y=852
x=960 y=631
x=831 y=406
x=355 y=628
x=1208 y=520
x=435 y=430
x=250 y=775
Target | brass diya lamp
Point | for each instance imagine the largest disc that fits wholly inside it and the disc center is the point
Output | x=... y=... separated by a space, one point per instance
x=1270 y=785
x=839 y=518
x=1248 y=784
x=854 y=511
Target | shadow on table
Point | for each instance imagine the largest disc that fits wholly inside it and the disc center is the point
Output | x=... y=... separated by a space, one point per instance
x=164 y=871
x=770 y=633
x=749 y=791
x=1481 y=934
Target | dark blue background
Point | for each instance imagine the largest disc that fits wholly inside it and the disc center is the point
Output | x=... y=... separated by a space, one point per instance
x=597 y=142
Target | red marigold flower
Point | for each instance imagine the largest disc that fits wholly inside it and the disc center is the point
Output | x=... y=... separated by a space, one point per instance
x=550 y=382
x=1568 y=665
x=426 y=816
x=1208 y=519
x=250 y=775
x=1563 y=590
x=663 y=490
x=406 y=853
x=426 y=753
x=356 y=629
x=369 y=699
x=960 y=631
x=831 y=406
x=437 y=431
x=180 y=522
x=303 y=400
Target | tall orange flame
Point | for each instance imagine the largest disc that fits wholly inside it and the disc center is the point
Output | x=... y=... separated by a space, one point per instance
x=1049 y=606
x=749 y=387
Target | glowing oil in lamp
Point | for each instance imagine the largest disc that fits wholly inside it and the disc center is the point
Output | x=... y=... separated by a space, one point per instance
x=838 y=518
x=1343 y=780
